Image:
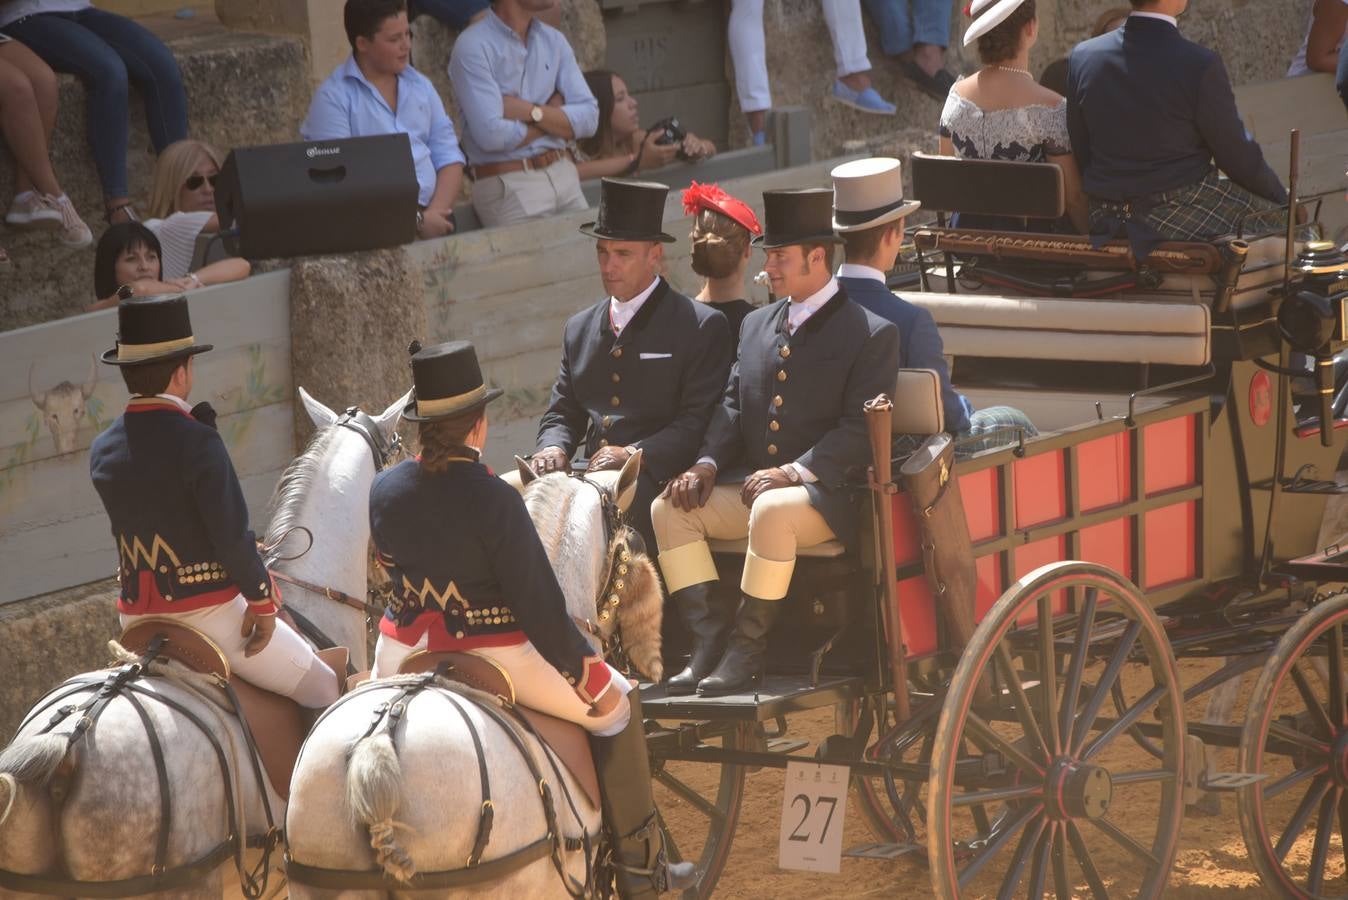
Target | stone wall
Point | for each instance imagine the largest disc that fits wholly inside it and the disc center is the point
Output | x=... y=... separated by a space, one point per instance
x=242 y=89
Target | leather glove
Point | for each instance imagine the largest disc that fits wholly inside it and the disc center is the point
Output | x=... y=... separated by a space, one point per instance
x=608 y=458
x=765 y=480
x=550 y=459
x=204 y=413
x=693 y=488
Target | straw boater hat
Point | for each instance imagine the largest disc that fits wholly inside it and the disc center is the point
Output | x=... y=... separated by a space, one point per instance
x=630 y=211
x=868 y=193
x=446 y=381
x=799 y=216
x=153 y=329
x=987 y=15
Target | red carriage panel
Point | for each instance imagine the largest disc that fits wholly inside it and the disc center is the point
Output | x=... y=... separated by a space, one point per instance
x=982 y=496
x=990 y=585
x=1170 y=459
x=1171 y=544
x=1029 y=557
x=1041 y=489
x=1109 y=544
x=907 y=533
x=917 y=614
x=1104 y=472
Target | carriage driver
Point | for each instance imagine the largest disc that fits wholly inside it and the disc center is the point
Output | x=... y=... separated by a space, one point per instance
x=779 y=448
x=643 y=367
x=470 y=573
x=178 y=513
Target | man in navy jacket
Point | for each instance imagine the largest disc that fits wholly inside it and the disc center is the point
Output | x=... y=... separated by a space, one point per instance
x=1149 y=113
x=178 y=515
x=868 y=213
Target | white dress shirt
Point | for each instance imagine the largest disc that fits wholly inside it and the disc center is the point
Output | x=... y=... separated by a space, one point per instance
x=1155 y=15
x=853 y=270
x=801 y=310
x=620 y=312
x=176 y=401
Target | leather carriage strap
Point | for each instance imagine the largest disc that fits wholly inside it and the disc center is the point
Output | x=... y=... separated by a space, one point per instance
x=332 y=594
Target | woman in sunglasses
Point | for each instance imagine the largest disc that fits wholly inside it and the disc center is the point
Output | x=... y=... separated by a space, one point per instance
x=182 y=207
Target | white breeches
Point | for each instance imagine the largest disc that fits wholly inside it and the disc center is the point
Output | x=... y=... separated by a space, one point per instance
x=286 y=666
x=537 y=684
x=748 y=47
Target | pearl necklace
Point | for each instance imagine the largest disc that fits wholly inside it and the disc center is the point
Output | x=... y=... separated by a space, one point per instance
x=1025 y=72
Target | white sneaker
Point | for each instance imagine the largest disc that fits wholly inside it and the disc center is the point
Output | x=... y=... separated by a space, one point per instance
x=74 y=233
x=29 y=212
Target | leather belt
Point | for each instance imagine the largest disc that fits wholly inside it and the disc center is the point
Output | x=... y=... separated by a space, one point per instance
x=541 y=161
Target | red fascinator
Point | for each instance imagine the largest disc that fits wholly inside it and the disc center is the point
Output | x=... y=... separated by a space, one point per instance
x=698 y=197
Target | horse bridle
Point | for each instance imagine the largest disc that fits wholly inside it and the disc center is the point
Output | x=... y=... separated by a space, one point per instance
x=619 y=539
x=381 y=450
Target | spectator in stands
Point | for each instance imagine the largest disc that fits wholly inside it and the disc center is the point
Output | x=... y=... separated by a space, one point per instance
x=723 y=226
x=1054 y=76
x=524 y=100
x=1149 y=112
x=459 y=14
x=128 y=263
x=620 y=146
x=917 y=32
x=182 y=207
x=107 y=52
x=868 y=213
x=27 y=118
x=1000 y=112
x=1326 y=33
x=376 y=91
x=748 y=52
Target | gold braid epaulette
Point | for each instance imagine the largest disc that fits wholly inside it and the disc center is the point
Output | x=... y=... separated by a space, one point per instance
x=1194 y=258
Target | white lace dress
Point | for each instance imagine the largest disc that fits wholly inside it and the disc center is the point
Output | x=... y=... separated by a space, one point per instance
x=1022 y=134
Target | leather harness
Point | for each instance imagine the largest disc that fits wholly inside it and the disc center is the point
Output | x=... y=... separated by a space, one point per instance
x=124 y=682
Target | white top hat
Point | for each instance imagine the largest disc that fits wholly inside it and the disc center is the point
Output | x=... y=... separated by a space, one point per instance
x=868 y=193
x=986 y=19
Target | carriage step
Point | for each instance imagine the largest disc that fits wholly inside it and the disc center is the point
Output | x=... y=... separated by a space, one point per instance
x=1227 y=782
x=883 y=851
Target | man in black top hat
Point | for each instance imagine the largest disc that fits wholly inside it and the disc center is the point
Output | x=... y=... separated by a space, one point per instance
x=643 y=367
x=178 y=514
x=779 y=449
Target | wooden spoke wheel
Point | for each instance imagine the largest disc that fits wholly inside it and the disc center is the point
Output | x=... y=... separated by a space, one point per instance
x=1033 y=791
x=699 y=806
x=1296 y=734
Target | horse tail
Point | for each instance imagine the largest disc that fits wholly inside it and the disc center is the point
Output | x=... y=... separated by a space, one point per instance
x=34 y=759
x=373 y=793
x=639 y=616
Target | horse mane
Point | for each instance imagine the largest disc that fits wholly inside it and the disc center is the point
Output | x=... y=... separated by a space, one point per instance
x=283 y=509
x=550 y=501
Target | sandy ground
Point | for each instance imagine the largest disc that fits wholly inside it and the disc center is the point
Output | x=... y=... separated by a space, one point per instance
x=1211 y=860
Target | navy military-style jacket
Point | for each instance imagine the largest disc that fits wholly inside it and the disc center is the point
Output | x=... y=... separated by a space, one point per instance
x=798 y=398
x=920 y=345
x=468 y=569
x=177 y=512
x=653 y=386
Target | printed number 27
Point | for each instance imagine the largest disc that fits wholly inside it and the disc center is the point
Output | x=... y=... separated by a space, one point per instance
x=796 y=834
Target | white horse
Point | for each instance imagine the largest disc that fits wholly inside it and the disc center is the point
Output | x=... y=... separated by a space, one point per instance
x=90 y=809
x=409 y=802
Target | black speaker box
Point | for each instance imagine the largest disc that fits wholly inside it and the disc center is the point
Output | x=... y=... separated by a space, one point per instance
x=318 y=197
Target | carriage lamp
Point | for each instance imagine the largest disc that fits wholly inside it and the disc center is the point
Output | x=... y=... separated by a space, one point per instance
x=1313 y=319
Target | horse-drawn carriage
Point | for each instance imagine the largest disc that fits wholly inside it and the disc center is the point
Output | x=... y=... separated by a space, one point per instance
x=1011 y=656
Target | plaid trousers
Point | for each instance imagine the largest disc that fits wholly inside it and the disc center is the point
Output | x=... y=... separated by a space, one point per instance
x=1201 y=211
x=996 y=426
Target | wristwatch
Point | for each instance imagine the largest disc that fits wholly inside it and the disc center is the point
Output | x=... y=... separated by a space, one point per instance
x=536 y=114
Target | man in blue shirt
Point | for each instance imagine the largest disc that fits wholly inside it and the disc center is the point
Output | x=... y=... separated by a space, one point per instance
x=523 y=99
x=377 y=91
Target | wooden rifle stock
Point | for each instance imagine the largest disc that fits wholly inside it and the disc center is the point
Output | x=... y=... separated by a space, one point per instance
x=878 y=417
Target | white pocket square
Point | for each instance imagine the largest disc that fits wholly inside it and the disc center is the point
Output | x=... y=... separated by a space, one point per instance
x=656 y=355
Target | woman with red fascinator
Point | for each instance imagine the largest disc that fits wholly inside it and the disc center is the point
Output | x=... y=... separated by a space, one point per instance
x=722 y=228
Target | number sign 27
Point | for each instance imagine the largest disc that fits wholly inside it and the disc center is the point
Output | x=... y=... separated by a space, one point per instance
x=814 y=806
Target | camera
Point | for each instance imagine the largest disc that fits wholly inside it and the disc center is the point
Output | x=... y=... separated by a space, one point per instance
x=670 y=131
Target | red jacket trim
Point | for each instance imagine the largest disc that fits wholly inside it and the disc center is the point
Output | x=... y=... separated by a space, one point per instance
x=431 y=625
x=595 y=679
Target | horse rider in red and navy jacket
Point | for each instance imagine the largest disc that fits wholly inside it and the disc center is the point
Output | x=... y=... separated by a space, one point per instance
x=178 y=514
x=470 y=573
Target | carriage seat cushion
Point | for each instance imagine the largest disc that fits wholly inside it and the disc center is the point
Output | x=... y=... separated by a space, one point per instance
x=917 y=403
x=1123 y=331
x=826 y=550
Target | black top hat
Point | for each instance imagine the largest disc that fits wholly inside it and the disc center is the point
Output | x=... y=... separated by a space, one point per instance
x=630 y=211
x=446 y=381
x=797 y=216
x=153 y=329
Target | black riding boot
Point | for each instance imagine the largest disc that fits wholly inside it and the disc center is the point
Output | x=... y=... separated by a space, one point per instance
x=639 y=865
x=743 y=658
x=708 y=619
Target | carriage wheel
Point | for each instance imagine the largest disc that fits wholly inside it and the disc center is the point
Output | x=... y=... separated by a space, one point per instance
x=891 y=807
x=1039 y=759
x=1296 y=734
x=699 y=807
